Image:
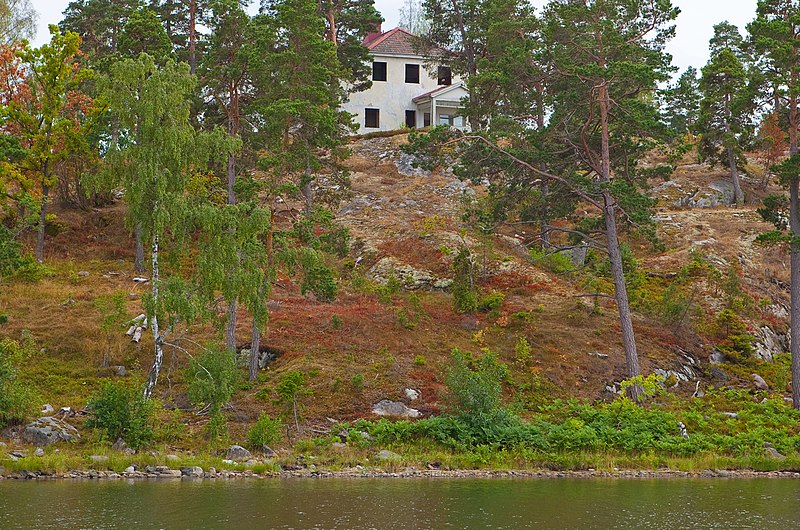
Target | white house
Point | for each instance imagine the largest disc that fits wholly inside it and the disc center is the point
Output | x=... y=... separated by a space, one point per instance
x=403 y=92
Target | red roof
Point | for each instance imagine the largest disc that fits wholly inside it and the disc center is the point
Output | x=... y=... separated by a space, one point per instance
x=394 y=42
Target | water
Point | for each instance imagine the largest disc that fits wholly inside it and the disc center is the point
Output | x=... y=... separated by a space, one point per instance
x=402 y=503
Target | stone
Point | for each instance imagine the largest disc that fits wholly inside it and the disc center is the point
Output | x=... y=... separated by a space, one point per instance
x=48 y=430
x=83 y=274
x=172 y=457
x=772 y=452
x=98 y=458
x=193 y=471
x=119 y=445
x=38 y=452
x=237 y=452
x=170 y=473
x=387 y=456
x=718 y=374
x=396 y=409
x=338 y=445
x=716 y=357
x=120 y=371
x=130 y=469
x=412 y=394
x=18 y=453
x=769 y=344
x=759 y=382
x=410 y=277
x=730 y=414
x=47 y=408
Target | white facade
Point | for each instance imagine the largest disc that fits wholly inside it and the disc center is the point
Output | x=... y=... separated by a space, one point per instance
x=397 y=101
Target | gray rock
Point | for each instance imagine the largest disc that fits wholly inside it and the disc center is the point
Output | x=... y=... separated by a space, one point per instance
x=237 y=452
x=770 y=344
x=170 y=473
x=759 y=382
x=38 y=452
x=716 y=357
x=772 y=452
x=172 y=457
x=193 y=471
x=366 y=436
x=387 y=456
x=411 y=394
x=730 y=414
x=18 y=453
x=396 y=409
x=719 y=374
x=47 y=408
x=130 y=469
x=98 y=458
x=47 y=430
x=120 y=371
x=83 y=274
x=338 y=445
x=410 y=277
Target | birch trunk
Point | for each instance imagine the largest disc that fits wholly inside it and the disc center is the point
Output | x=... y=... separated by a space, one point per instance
x=152 y=379
x=794 y=260
x=42 y=220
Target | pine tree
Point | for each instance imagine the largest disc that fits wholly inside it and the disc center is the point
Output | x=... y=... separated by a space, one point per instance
x=725 y=106
x=775 y=34
x=682 y=104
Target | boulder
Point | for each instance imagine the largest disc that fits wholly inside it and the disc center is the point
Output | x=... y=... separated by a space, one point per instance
x=237 y=452
x=47 y=408
x=410 y=277
x=411 y=394
x=395 y=409
x=193 y=471
x=47 y=430
x=38 y=452
x=759 y=382
x=718 y=374
x=387 y=456
x=769 y=344
x=772 y=452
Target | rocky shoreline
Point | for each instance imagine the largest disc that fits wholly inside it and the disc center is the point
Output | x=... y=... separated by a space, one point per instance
x=197 y=473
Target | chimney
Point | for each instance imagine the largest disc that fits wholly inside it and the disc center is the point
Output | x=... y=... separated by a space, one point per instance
x=372 y=35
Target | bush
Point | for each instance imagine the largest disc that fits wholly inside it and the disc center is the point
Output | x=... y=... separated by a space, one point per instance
x=17 y=400
x=465 y=296
x=121 y=411
x=265 y=432
x=492 y=302
x=556 y=262
x=475 y=388
x=320 y=281
x=212 y=379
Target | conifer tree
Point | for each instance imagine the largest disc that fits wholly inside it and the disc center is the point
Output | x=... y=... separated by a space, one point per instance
x=683 y=102
x=725 y=106
x=775 y=34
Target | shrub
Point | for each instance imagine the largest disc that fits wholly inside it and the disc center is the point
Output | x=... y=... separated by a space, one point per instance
x=358 y=383
x=556 y=262
x=465 y=296
x=121 y=411
x=492 y=302
x=319 y=280
x=336 y=322
x=265 y=432
x=289 y=389
x=522 y=351
x=419 y=360
x=212 y=379
x=17 y=400
x=475 y=388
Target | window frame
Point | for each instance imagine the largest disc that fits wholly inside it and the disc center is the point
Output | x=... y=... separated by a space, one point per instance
x=385 y=70
x=376 y=113
x=448 y=77
x=412 y=67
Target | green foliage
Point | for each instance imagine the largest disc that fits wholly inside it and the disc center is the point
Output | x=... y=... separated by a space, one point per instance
x=119 y=410
x=336 y=322
x=289 y=389
x=212 y=378
x=265 y=432
x=649 y=386
x=13 y=263
x=736 y=344
x=555 y=262
x=357 y=382
x=391 y=289
x=419 y=360
x=522 y=351
x=492 y=303
x=475 y=388
x=465 y=295
x=17 y=400
x=319 y=279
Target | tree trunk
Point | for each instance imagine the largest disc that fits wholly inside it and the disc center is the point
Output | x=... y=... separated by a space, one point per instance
x=308 y=192
x=255 y=343
x=614 y=252
x=192 y=36
x=794 y=260
x=138 y=250
x=42 y=220
x=737 y=186
x=230 y=328
x=152 y=379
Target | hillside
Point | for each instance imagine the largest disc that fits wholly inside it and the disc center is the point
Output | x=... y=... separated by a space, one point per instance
x=375 y=342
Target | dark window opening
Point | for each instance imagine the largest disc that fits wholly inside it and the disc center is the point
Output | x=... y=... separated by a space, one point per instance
x=411 y=118
x=426 y=119
x=445 y=75
x=372 y=118
x=378 y=71
x=412 y=73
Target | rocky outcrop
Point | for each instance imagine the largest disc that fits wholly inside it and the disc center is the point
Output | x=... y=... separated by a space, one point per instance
x=48 y=430
x=407 y=275
x=394 y=409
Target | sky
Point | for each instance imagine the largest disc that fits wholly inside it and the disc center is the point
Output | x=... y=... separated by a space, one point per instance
x=688 y=48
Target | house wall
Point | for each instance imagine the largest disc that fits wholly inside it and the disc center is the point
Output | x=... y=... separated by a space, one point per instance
x=393 y=96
